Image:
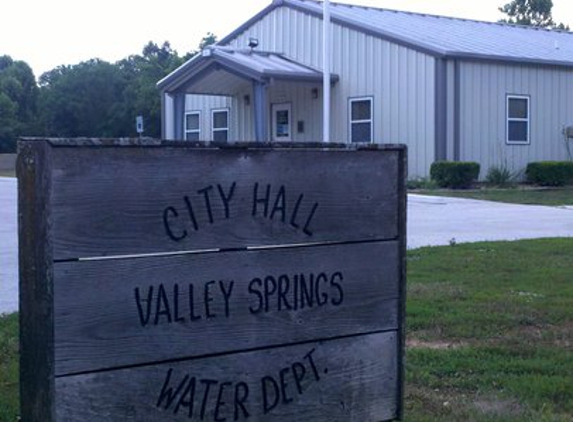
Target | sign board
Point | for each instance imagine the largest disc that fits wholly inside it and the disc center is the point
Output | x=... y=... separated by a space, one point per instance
x=167 y=281
x=139 y=124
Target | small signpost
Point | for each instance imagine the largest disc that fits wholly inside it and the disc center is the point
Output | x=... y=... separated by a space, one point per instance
x=166 y=281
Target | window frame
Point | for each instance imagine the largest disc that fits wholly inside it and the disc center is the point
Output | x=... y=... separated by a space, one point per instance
x=352 y=100
x=225 y=129
x=509 y=119
x=187 y=131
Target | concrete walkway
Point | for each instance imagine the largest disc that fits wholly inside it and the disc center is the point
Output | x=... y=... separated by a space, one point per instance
x=431 y=221
x=436 y=221
x=8 y=245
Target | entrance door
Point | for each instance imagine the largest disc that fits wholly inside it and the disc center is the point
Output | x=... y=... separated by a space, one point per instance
x=282 y=127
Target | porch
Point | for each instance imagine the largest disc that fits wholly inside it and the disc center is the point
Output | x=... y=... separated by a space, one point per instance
x=227 y=94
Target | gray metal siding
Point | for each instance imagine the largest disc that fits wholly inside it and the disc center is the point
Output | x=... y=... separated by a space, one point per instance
x=205 y=104
x=400 y=80
x=483 y=92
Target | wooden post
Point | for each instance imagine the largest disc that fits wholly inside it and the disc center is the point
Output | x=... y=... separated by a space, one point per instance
x=36 y=283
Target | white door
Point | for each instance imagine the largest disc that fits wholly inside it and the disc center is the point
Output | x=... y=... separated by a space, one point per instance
x=282 y=125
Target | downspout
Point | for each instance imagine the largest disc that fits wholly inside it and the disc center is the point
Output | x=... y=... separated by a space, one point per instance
x=326 y=71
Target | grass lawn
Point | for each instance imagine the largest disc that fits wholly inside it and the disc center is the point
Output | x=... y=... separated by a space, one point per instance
x=7 y=173
x=490 y=334
x=519 y=195
x=8 y=367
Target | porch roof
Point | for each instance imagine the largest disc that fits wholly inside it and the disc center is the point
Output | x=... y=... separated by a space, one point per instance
x=226 y=71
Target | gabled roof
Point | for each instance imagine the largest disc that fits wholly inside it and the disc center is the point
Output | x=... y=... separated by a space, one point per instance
x=238 y=66
x=442 y=36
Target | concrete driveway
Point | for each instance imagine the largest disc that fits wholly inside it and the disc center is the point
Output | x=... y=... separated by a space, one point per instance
x=431 y=221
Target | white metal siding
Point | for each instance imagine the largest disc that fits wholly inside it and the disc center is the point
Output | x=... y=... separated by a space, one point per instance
x=484 y=89
x=400 y=80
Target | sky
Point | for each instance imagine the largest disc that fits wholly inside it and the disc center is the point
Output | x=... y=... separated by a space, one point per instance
x=49 y=33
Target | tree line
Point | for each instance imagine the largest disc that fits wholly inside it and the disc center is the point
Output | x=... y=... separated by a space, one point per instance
x=94 y=98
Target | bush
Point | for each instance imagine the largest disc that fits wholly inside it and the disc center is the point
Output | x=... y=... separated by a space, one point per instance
x=500 y=176
x=455 y=175
x=550 y=173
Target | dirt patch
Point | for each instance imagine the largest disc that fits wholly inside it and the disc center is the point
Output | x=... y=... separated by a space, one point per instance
x=493 y=406
x=434 y=345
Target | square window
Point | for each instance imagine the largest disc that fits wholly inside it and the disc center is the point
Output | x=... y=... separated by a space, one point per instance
x=219 y=120
x=192 y=121
x=361 y=132
x=361 y=110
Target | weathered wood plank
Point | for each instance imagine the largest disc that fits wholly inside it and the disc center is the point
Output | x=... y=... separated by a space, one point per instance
x=36 y=279
x=344 y=380
x=117 y=201
x=124 y=312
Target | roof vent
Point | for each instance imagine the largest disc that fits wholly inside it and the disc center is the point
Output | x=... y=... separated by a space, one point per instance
x=556 y=45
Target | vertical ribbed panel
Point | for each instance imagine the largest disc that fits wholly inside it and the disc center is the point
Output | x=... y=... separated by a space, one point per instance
x=484 y=88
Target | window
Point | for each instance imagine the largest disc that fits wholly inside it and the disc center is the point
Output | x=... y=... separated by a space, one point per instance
x=360 y=110
x=220 y=125
x=518 y=112
x=192 y=125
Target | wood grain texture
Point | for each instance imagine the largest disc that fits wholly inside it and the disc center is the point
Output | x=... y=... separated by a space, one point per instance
x=344 y=380
x=116 y=201
x=98 y=322
x=36 y=280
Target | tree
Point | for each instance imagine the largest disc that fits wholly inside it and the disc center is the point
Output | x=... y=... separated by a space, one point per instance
x=531 y=13
x=140 y=96
x=18 y=101
x=81 y=100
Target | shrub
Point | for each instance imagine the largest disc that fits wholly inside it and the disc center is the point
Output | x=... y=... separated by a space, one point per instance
x=455 y=175
x=500 y=176
x=550 y=173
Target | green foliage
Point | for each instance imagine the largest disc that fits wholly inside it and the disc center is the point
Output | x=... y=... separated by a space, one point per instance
x=207 y=40
x=140 y=96
x=93 y=98
x=531 y=13
x=500 y=176
x=421 y=183
x=9 y=401
x=454 y=174
x=550 y=173
x=18 y=100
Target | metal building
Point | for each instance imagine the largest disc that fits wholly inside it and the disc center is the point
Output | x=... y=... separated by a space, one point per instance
x=448 y=88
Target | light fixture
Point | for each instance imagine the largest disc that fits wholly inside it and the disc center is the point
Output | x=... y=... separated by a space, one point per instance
x=247 y=100
x=253 y=42
x=314 y=93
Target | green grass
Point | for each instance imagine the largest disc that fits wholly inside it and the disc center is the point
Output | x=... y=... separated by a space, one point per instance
x=489 y=334
x=518 y=195
x=8 y=367
x=7 y=173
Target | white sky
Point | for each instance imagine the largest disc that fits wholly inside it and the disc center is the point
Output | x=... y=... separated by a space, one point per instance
x=49 y=33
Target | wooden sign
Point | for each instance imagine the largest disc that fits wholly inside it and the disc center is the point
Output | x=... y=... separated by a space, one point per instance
x=167 y=281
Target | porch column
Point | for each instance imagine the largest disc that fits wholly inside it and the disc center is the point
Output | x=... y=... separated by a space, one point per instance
x=260 y=109
x=178 y=115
